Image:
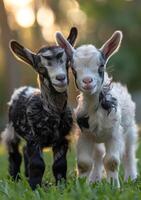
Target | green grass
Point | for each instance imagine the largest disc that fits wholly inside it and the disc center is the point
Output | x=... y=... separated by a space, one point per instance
x=75 y=189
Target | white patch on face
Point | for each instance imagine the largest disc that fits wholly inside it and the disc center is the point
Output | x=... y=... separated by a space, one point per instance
x=56 y=67
x=86 y=61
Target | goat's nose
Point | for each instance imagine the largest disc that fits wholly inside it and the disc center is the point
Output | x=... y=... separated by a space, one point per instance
x=61 y=77
x=87 y=80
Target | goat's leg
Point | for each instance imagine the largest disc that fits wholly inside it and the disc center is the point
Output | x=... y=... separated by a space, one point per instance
x=60 y=162
x=11 y=140
x=129 y=157
x=84 y=152
x=26 y=161
x=114 y=149
x=97 y=169
x=36 y=165
x=14 y=158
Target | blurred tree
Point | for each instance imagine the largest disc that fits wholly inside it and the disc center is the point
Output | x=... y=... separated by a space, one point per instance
x=106 y=16
x=11 y=66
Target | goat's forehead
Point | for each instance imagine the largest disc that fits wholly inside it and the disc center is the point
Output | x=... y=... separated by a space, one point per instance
x=87 y=55
x=51 y=51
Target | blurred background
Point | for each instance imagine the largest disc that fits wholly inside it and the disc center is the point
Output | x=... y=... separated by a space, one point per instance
x=34 y=22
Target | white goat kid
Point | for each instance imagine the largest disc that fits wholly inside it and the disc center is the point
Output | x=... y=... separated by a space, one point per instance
x=105 y=114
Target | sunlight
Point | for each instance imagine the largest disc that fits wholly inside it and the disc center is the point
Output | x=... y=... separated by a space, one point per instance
x=17 y=3
x=65 y=5
x=25 y=17
x=45 y=17
x=48 y=34
x=77 y=16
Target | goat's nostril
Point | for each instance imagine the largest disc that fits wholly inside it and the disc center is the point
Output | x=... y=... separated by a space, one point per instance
x=87 y=80
x=61 y=77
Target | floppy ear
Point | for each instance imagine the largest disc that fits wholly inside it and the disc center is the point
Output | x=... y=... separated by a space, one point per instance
x=64 y=44
x=72 y=36
x=22 y=53
x=112 y=45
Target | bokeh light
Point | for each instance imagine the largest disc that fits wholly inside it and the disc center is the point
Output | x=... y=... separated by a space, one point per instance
x=77 y=16
x=25 y=17
x=45 y=17
x=17 y=3
x=49 y=33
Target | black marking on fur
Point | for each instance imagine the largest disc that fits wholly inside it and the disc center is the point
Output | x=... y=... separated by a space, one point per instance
x=101 y=67
x=107 y=101
x=83 y=122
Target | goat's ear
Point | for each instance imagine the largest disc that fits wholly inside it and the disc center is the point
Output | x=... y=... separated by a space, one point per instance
x=72 y=36
x=112 y=45
x=22 y=53
x=64 y=44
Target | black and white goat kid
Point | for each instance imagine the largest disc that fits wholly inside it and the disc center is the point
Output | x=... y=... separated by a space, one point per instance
x=105 y=114
x=40 y=116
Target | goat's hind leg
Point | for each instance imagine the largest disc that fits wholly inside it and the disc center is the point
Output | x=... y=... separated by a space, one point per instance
x=11 y=140
x=114 y=150
x=26 y=161
x=129 y=157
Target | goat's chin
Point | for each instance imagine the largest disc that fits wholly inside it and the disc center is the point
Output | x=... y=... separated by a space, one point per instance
x=60 y=89
x=90 y=91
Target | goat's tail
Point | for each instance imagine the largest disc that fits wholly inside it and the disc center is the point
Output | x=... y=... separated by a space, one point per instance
x=11 y=140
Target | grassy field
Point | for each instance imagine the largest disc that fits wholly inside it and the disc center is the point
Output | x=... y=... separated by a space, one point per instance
x=75 y=188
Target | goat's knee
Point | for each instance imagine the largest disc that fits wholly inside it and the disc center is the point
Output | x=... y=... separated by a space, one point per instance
x=111 y=163
x=84 y=167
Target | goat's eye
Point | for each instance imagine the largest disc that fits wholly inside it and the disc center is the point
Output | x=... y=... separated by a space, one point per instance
x=101 y=66
x=59 y=55
x=101 y=69
x=48 y=57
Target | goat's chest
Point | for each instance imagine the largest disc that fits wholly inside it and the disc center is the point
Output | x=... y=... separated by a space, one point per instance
x=98 y=123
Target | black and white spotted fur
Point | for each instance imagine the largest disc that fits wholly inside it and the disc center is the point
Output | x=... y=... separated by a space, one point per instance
x=41 y=116
x=105 y=114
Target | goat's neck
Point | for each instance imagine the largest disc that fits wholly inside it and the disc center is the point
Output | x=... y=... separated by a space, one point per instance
x=51 y=98
x=92 y=101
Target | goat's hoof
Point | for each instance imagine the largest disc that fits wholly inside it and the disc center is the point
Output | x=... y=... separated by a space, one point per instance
x=114 y=183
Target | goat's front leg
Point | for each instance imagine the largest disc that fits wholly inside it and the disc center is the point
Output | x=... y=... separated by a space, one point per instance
x=114 y=148
x=60 y=162
x=97 y=169
x=36 y=164
x=84 y=152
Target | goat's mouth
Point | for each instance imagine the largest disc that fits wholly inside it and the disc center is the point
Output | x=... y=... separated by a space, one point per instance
x=88 y=87
x=61 y=87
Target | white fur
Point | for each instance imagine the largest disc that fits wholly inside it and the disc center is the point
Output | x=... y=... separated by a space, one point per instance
x=18 y=91
x=117 y=131
x=8 y=135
